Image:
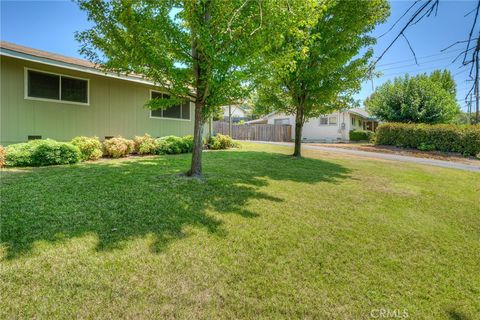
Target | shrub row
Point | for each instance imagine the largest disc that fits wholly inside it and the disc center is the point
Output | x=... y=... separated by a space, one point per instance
x=360 y=135
x=464 y=139
x=50 y=152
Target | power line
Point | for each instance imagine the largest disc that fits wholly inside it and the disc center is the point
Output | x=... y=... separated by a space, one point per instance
x=420 y=63
x=429 y=56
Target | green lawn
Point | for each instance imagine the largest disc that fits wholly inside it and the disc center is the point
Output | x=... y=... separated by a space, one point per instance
x=262 y=236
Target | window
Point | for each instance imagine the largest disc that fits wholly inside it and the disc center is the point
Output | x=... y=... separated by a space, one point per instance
x=323 y=121
x=43 y=85
x=50 y=86
x=353 y=121
x=74 y=90
x=328 y=121
x=181 y=112
x=332 y=121
x=281 y=121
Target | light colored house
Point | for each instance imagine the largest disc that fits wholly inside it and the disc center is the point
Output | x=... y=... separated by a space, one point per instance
x=332 y=127
x=236 y=111
x=45 y=95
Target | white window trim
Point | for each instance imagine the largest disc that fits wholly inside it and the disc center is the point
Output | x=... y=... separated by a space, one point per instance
x=328 y=121
x=27 y=97
x=166 y=118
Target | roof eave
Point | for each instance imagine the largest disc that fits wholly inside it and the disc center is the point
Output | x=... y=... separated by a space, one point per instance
x=69 y=66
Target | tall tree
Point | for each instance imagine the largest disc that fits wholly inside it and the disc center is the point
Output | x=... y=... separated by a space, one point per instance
x=322 y=59
x=419 y=99
x=202 y=50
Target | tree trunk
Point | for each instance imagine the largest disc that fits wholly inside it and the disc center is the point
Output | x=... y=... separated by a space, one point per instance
x=298 y=133
x=196 y=166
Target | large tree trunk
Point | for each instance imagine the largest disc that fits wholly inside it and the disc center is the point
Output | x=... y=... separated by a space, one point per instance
x=201 y=94
x=298 y=132
x=196 y=165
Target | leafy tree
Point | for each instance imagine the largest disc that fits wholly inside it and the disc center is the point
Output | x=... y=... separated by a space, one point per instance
x=321 y=60
x=419 y=99
x=202 y=50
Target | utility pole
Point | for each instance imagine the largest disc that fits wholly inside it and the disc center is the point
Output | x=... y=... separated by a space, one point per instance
x=477 y=98
x=469 y=110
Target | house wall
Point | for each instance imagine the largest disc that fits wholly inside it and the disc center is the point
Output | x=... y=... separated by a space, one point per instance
x=116 y=108
x=313 y=131
x=236 y=112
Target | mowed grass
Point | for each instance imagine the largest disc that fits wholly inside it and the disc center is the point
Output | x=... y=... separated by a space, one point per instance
x=262 y=236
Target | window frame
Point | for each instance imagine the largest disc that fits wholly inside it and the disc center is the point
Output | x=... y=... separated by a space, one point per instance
x=281 y=119
x=60 y=75
x=320 y=124
x=167 y=118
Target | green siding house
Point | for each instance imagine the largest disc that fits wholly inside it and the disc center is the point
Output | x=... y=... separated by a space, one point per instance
x=45 y=95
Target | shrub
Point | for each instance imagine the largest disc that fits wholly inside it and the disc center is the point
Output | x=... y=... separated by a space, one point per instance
x=426 y=147
x=188 y=143
x=19 y=155
x=41 y=153
x=170 y=145
x=91 y=148
x=117 y=147
x=220 y=141
x=2 y=156
x=360 y=135
x=144 y=144
x=464 y=139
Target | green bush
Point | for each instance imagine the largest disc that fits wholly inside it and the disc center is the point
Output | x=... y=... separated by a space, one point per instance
x=91 y=148
x=220 y=142
x=360 y=135
x=2 y=156
x=170 y=145
x=144 y=144
x=188 y=143
x=464 y=139
x=41 y=153
x=117 y=147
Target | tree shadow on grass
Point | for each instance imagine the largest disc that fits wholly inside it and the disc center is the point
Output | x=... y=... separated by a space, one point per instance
x=122 y=200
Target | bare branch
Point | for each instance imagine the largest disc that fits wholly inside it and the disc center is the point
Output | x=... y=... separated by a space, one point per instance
x=411 y=49
x=408 y=24
x=471 y=30
x=398 y=20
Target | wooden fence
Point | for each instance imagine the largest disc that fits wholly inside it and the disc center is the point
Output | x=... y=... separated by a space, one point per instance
x=259 y=132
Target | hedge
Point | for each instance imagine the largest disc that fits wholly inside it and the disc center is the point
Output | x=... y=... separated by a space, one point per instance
x=91 y=148
x=2 y=156
x=464 y=139
x=41 y=153
x=220 y=141
x=118 y=147
x=360 y=135
x=50 y=152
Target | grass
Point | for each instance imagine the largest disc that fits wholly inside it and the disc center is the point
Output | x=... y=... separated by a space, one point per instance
x=262 y=236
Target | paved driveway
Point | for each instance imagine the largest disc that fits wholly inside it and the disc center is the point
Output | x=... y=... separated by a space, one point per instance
x=385 y=156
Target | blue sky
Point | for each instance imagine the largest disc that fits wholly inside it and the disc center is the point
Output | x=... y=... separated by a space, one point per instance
x=50 y=26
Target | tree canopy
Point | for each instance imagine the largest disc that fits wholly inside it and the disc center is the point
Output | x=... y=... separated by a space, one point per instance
x=203 y=50
x=322 y=59
x=419 y=99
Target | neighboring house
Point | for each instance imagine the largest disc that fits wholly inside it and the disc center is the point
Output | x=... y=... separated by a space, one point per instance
x=45 y=95
x=238 y=113
x=331 y=127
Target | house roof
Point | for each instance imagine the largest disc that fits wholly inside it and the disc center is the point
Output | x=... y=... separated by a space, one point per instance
x=357 y=111
x=29 y=54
